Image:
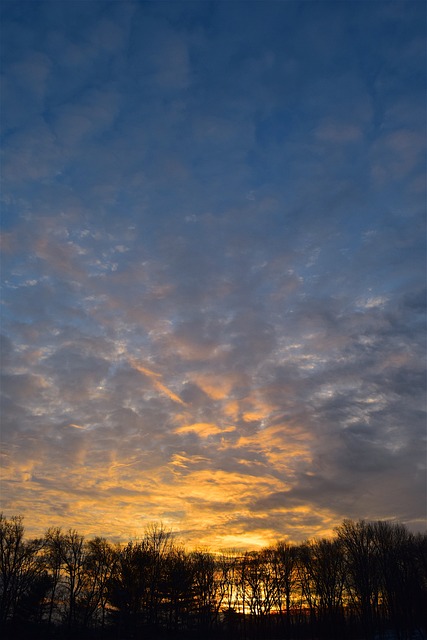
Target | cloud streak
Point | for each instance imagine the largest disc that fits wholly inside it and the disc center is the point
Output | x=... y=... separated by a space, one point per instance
x=154 y=378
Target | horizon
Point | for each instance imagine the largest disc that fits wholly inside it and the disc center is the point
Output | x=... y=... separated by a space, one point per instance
x=213 y=267
x=155 y=529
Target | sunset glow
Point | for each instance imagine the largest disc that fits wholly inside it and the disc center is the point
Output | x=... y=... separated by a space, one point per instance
x=214 y=267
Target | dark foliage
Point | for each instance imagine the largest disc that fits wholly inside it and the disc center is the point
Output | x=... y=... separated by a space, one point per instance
x=368 y=582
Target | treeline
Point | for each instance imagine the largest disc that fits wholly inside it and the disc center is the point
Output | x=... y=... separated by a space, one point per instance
x=369 y=581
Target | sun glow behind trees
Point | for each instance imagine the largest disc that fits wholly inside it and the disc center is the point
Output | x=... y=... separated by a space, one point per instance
x=370 y=578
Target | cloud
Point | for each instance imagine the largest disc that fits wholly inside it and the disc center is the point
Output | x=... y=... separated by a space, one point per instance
x=214 y=268
x=204 y=429
x=158 y=385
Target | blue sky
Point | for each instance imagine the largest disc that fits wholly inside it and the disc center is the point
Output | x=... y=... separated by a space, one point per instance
x=213 y=266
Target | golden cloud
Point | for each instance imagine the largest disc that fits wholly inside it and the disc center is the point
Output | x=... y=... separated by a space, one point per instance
x=204 y=429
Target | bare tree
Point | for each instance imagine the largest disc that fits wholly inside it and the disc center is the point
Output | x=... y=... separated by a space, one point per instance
x=322 y=579
x=208 y=587
x=129 y=585
x=284 y=568
x=370 y=580
x=67 y=560
x=158 y=543
x=99 y=567
x=362 y=574
x=21 y=572
x=178 y=588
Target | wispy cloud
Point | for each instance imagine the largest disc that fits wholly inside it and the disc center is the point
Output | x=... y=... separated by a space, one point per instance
x=156 y=382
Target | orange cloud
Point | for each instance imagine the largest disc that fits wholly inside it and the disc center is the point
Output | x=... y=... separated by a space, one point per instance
x=204 y=429
x=156 y=383
x=217 y=387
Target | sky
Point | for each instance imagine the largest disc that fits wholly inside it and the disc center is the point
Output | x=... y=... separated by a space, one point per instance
x=213 y=267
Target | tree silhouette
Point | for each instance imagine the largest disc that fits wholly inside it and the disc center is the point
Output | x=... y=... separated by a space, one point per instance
x=22 y=576
x=368 y=581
